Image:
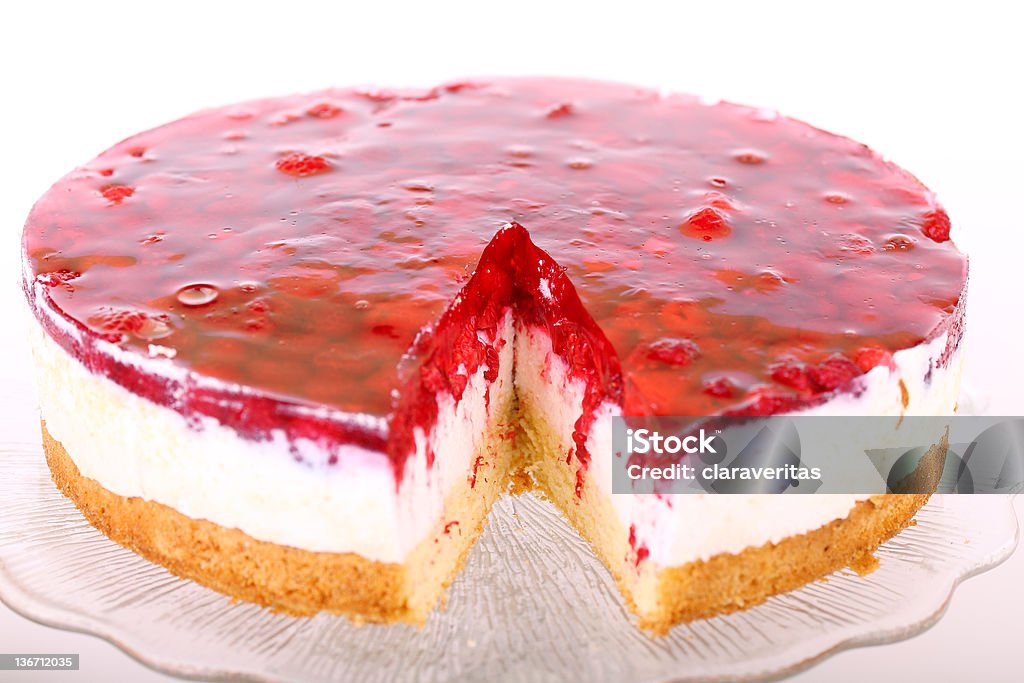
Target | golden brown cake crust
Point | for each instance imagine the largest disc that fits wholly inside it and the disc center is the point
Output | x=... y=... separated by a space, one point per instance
x=286 y=579
x=730 y=582
x=302 y=582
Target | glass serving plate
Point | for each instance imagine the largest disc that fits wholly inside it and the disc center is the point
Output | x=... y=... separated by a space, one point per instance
x=532 y=604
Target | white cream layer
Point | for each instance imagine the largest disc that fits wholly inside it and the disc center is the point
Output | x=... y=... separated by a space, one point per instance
x=136 y=448
x=684 y=528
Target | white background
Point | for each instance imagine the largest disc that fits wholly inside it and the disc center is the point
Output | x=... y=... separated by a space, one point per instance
x=937 y=90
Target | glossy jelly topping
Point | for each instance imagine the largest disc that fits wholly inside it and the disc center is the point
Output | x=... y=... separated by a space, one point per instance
x=513 y=275
x=294 y=248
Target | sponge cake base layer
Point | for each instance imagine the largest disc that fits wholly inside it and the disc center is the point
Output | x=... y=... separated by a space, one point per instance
x=286 y=579
x=302 y=582
x=663 y=596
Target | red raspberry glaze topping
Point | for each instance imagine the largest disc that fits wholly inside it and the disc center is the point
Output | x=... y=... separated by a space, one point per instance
x=115 y=194
x=513 y=273
x=297 y=246
x=301 y=165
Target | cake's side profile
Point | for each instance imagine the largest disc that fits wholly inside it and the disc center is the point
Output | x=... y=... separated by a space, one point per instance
x=297 y=535
x=683 y=557
x=285 y=348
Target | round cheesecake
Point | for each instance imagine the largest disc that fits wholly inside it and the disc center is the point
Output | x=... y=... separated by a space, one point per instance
x=295 y=348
